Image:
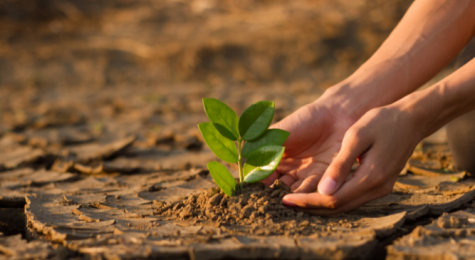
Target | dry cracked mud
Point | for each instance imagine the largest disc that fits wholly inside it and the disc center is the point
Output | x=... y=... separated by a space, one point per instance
x=180 y=214
x=125 y=190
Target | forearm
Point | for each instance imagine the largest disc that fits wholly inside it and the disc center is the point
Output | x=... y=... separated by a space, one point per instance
x=432 y=108
x=429 y=36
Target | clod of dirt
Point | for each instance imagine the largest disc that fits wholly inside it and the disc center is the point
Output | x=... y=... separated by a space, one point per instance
x=451 y=236
x=215 y=200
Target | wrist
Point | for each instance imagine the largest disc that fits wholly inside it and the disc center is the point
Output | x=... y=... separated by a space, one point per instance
x=378 y=82
x=339 y=99
x=359 y=93
x=427 y=110
x=417 y=113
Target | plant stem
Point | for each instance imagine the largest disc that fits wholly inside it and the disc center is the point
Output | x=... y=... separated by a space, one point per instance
x=241 y=177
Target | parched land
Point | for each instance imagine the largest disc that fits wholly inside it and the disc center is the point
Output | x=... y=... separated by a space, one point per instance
x=100 y=155
x=135 y=186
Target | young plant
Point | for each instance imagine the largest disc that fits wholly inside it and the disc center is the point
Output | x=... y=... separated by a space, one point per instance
x=232 y=139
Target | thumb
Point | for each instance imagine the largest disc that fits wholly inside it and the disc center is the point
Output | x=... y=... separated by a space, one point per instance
x=353 y=146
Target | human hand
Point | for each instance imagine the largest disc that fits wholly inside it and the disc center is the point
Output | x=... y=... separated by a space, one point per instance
x=382 y=140
x=316 y=131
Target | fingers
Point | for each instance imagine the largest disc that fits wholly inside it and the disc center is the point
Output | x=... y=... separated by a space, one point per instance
x=310 y=183
x=315 y=203
x=288 y=180
x=305 y=174
x=349 y=206
x=366 y=178
x=354 y=144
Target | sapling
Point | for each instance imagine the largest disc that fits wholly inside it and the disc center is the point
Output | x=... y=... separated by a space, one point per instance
x=232 y=139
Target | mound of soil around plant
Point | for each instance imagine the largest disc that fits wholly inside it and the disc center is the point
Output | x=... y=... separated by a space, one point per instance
x=257 y=210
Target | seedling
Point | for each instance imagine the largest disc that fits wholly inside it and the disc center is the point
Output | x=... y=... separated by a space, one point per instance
x=232 y=139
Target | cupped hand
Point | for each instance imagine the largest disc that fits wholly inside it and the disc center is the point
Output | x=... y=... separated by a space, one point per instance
x=316 y=132
x=382 y=140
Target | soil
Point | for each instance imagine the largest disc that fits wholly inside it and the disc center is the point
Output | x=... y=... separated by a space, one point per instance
x=258 y=210
x=451 y=236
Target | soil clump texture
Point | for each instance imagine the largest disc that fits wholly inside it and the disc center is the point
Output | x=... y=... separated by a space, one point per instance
x=257 y=210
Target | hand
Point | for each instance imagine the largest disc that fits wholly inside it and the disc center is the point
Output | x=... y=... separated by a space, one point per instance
x=382 y=140
x=316 y=131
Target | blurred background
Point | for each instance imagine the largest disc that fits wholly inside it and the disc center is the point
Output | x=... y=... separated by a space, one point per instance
x=70 y=43
x=122 y=66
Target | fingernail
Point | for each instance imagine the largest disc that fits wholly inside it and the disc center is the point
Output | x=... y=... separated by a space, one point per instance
x=287 y=202
x=327 y=186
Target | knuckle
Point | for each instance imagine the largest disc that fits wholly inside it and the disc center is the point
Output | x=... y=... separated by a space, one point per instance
x=379 y=111
x=357 y=134
x=354 y=134
x=336 y=168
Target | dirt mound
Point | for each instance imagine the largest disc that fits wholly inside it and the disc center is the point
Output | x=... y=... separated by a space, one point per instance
x=257 y=210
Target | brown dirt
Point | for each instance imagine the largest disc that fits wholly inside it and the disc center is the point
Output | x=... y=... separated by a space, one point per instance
x=451 y=236
x=258 y=210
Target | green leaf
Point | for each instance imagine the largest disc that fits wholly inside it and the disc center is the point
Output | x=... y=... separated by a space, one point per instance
x=262 y=163
x=223 y=118
x=270 y=137
x=222 y=177
x=256 y=119
x=222 y=147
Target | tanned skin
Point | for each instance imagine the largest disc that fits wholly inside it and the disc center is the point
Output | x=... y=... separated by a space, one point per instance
x=375 y=116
